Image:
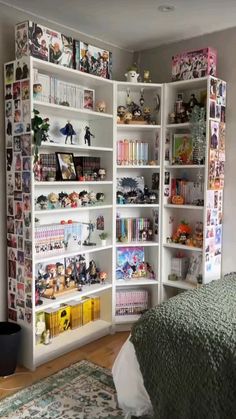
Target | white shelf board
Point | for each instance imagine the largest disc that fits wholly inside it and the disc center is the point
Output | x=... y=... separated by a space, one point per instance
x=69 y=74
x=190 y=84
x=69 y=111
x=182 y=247
x=181 y=125
x=134 y=244
x=122 y=86
x=72 y=295
x=70 y=340
x=135 y=282
x=190 y=207
x=128 y=318
x=138 y=127
x=184 y=166
x=184 y=285
x=72 y=183
x=73 y=147
x=69 y=210
x=146 y=166
x=137 y=206
x=80 y=250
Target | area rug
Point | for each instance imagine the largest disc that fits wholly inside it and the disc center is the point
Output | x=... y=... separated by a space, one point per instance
x=82 y=391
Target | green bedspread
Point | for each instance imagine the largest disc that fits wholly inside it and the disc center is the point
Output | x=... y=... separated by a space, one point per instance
x=186 y=350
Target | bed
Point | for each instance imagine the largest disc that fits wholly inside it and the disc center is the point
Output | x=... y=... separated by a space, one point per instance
x=180 y=359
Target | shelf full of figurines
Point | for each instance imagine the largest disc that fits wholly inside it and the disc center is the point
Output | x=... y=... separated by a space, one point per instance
x=73 y=200
x=187 y=235
x=69 y=274
x=182 y=110
x=138 y=113
x=133 y=190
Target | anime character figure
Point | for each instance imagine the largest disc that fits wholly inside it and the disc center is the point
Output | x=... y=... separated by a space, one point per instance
x=74 y=197
x=87 y=136
x=69 y=131
x=53 y=200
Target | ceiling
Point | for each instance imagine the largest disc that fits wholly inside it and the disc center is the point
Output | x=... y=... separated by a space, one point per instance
x=136 y=24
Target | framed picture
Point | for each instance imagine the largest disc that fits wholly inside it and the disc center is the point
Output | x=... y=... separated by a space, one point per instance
x=66 y=166
x=182 y=149
x=89 y=99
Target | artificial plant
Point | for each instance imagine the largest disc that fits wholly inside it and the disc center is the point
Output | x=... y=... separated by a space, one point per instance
x=40 y=128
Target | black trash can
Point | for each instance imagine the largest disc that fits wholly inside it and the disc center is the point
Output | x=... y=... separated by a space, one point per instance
x=9 y=347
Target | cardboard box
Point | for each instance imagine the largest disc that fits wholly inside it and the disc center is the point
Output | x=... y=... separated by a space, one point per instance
x=194 y=64
x=43 y=43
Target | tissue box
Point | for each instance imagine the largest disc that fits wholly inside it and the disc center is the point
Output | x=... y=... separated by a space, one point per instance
x=194 y=64
x=43 y=43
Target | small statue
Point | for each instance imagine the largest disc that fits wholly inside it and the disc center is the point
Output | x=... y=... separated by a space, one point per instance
x=100 y=196
x=53 y=200
x=132 y=74
x=101 y=106
x=146 y=76
x=74 y=198
x=102 y=173
x=42 y=200
x=84 y=197
x=87 y=136
x=69 y=131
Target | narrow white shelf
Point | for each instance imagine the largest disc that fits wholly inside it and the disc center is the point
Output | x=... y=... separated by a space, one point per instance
x=189 y=84
x=137 y=206
x=181 y=125
x=69 y=111
x=182 y=247
x=138 y=127
x=80 y=250
x=184 y=285
x=70 y=340
x=72 y=183
x=69 y=210
x=190 y=207
x=185 y=166
x=135 y=282
x=122 y=86
x=137 y=166
x=73 y=147
x=128 y=318
x=72 y=295
x=69 y=74
x=134 y=244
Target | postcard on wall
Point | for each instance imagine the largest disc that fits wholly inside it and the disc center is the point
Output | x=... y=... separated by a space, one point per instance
x=182 y=149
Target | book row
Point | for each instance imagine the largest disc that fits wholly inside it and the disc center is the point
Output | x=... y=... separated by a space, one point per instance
x=131 y=302
x=132 y=152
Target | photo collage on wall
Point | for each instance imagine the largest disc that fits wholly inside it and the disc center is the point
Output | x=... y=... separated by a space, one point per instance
x=18 y=155
x=216 y=167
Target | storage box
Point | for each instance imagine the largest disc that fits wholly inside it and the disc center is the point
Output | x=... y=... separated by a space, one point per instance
x=76 y=314
x=87 y=310
x=43 y=43
x=194 y=64
x=179 y=267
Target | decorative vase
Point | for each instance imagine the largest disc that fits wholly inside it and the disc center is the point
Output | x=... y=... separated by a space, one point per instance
x=103 y=242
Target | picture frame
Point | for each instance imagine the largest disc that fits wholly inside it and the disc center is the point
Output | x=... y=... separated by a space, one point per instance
x=89 y=99
x=182 y=152
x=66 y=166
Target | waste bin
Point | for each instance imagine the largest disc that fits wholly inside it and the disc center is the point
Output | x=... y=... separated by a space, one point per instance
x=9 y=347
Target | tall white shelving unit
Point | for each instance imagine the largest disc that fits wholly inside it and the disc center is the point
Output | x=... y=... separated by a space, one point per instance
x=209 y=214
x=152 y=134
x=22 y=188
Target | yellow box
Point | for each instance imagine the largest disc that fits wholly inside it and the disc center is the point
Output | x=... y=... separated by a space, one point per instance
x=76 y=314
x=95 y=307
x=64 y=317
x=52 y=321
x=87 y=310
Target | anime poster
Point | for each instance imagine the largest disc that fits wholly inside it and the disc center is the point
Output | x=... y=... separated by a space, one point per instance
x=92 y=60
x=38 y=41
x=129 y=260
x=21 y=40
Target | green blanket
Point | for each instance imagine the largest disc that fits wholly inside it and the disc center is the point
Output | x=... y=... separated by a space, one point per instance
x=186 y=350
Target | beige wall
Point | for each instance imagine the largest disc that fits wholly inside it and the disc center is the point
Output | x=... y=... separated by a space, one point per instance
x=158 y=60
x=8 y=18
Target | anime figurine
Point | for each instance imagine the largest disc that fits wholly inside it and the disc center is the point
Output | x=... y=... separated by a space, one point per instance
x=132 y=75
x=84 y=197
x=101 y=106
x=100 y=196
x=42 y=200
x=52 y=200
x=102 y=276
x=74 y=197
x=102 y=173
x=92 y=272
x=64 y=200
x=88 y=135
x=92 y=198
x=69 y=131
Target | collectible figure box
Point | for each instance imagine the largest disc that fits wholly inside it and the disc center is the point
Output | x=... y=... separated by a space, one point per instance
x=43 y=43
x=92 y=60
x=194 y=64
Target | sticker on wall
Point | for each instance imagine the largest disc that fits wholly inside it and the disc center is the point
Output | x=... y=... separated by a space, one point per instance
x=9 y=73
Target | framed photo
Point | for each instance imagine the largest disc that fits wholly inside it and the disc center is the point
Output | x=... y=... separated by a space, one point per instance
x=66 y=166
x=183 y=149
x=89 y=99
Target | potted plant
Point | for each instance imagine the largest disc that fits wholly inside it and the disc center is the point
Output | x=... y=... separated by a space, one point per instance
x=40 y=129
x=51 y=176
x=103 y=236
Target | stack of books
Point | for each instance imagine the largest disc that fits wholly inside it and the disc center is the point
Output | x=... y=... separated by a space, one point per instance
x=134 y=229
x=131 y=302
x=132 y=152
x=86 y=166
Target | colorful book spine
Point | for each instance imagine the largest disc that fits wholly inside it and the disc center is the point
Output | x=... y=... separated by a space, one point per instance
x=132 y=153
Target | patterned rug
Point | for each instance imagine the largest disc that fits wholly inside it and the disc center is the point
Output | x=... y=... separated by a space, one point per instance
x=82 y=391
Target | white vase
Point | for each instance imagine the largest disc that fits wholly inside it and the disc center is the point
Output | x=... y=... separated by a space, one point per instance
x=103 y=242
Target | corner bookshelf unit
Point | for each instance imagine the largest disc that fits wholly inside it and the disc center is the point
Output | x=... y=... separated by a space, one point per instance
x=205 y=172
x=139 y=157
x=136 y=168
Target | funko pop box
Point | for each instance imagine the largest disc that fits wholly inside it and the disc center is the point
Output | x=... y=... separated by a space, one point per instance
x=43 y=43
x=194 y=64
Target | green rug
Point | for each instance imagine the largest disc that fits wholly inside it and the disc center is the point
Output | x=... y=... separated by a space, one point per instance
x=82 y=391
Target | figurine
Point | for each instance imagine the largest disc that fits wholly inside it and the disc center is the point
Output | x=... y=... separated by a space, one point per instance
x=53 y=200
x=64 y=200
x=141 y=100
x=101 y=106
x=127 y=117
x=84 y=197
x=68 y=276
x=88 y=135
x=81 y=267
x=92 y=273
x=147 y=114
x=69 y=131
x=100 y=196
x=146 y=76
x=128 y=98
x=103 y=277
x=132 y=75
x=121 y=110
x=91 y=227
x=102 y=173
x=74 y=197
x=42 y=200
x=92 y=198
x=120 y=198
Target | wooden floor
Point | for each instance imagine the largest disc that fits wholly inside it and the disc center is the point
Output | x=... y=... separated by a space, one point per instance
x=102 y=352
